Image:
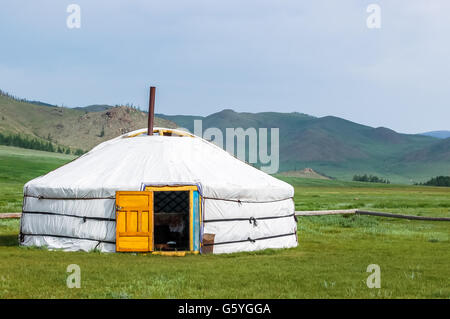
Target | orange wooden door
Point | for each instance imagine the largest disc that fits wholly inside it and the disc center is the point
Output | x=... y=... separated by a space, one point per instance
x=134 y=221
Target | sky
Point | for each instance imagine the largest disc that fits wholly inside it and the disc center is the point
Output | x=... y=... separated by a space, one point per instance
x=315 y=57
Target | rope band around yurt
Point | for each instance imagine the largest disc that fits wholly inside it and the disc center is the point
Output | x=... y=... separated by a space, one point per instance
x=252 y=240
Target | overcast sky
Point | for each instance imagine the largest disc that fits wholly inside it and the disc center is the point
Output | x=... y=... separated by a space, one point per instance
x=315 y=57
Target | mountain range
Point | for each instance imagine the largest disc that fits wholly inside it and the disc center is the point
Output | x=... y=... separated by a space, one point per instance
x=337 y=147
x=438 y=134
x=329 y=145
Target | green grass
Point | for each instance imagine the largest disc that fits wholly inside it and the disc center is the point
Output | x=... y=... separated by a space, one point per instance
x=311 y=194
x=17 y=166
x=330 y=261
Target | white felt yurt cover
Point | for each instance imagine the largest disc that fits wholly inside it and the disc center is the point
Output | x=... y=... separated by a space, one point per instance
x=73 y=207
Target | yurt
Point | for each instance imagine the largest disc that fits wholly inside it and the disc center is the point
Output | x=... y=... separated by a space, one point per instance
x=169 y=192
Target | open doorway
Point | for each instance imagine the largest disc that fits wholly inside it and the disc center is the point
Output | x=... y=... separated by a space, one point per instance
x=171 y=220
x=159 y=218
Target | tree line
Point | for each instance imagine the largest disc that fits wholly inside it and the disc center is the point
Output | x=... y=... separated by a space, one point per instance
x=370 y=179
x=437 y=181
x=35 y=144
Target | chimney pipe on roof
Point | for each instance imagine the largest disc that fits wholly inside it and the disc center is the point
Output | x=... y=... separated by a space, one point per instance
x=151 y=110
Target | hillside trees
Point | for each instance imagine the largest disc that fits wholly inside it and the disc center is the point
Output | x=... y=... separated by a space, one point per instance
x=26 y=142
x=370 y=179
x=35 y=144
x=438 y=181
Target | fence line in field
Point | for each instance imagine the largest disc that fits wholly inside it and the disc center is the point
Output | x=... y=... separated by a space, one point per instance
x=365 y=212
x=10 y=215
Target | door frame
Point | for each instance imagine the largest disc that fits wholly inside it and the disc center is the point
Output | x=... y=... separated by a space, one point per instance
x=174 y=188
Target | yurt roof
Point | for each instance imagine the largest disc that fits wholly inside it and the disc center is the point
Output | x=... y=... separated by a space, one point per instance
x=135 y=159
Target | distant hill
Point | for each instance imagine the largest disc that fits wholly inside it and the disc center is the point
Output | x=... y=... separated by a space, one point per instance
x=305 y=173
x=95 y=108
x=438 y=134
x=436 y=152
x=41 y=103
x=74 y=128
x=337 y=147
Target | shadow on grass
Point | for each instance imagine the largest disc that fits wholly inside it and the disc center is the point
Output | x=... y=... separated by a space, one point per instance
x=8 y=240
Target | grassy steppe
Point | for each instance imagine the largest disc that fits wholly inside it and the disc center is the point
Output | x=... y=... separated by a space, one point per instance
x=330 y=261
x=314 y=194
x=17 y=166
